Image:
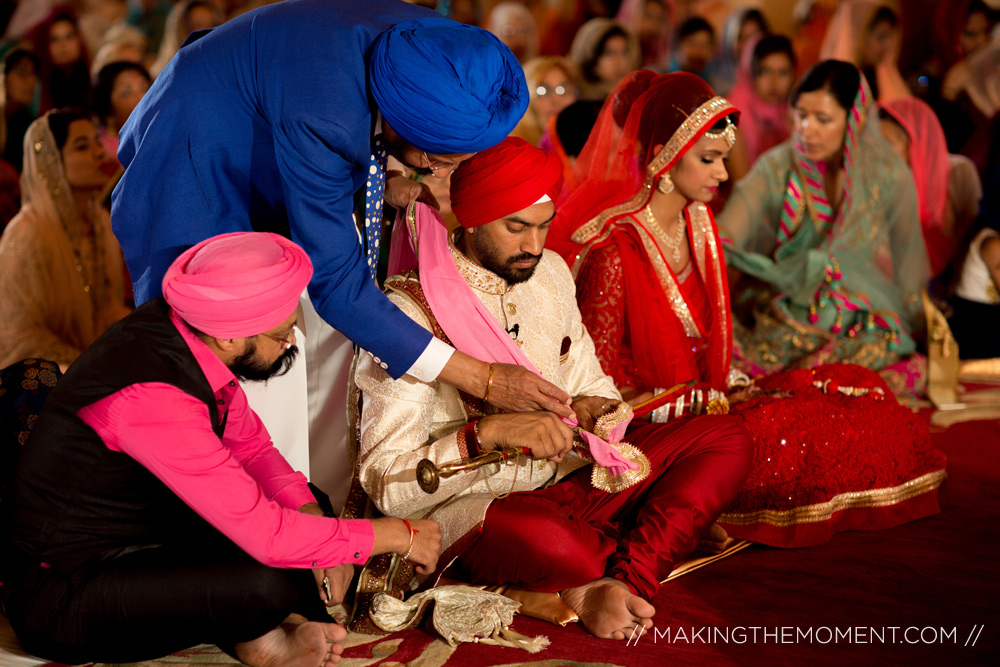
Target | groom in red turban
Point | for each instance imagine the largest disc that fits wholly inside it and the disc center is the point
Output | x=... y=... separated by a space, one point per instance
x=537 y=521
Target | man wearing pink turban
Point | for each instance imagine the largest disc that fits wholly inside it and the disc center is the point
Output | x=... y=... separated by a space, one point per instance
x=545 y=519
x=150 y=510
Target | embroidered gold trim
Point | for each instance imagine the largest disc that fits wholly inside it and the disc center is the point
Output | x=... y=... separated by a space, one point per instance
x=701 y=217
x=606 y=422
x=477 y=276
x=700 y=119
x=669 y=284
x=411 y=222
x=695 y=125
x=700 y=229
x=601 y=479
x=408 y=285
x=587 y=233
x=852 y=500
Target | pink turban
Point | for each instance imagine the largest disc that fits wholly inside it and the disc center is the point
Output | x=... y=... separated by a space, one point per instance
x=237 y=285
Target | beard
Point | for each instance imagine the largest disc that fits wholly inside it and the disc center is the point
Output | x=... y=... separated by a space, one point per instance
x=490 y=257
x=248 y=369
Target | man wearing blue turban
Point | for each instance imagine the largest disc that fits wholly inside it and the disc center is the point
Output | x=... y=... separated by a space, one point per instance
x=279 y=120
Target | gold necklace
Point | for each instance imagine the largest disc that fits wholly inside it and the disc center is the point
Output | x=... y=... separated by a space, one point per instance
x=673 y=243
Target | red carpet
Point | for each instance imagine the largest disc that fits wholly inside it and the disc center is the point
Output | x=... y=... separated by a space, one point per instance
x=938 y=575
x=935 y=580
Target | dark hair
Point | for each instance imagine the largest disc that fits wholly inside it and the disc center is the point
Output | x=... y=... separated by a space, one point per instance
x=883 y=114
x=64 y=16
x=656 y=136
x=59 y=121
x=837 y=77
x=13 y=57
x=884 y=15
x=980 y=7
x=692 y=25
x=104 y=82
x=756 y=16
x=588 y=67
x=194 y=4
x=720 y=124
x=768 y=46
x=574 y=123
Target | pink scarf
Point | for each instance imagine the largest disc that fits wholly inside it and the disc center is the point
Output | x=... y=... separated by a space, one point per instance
x=463 y=317
x=763 y=125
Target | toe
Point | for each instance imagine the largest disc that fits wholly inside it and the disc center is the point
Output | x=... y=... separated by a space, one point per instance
x=336 y=632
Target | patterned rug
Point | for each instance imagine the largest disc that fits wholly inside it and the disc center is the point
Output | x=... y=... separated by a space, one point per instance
x=937 y=575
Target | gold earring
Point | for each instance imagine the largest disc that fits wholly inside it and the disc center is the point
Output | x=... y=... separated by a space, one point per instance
x=666 y=184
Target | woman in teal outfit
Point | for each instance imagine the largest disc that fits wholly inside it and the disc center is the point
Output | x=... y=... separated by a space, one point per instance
x=824 y=238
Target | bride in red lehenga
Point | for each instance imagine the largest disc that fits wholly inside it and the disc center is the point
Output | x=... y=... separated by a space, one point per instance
x=834 y=450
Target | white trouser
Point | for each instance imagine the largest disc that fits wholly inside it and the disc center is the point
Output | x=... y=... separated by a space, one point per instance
x=305 y=411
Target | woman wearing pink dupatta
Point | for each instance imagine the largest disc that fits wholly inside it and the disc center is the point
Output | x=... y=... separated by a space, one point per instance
x=867 y=34
x=764 y=81
x=948 y=187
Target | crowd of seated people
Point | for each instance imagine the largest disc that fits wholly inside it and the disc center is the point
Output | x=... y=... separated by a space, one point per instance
x=749 y=203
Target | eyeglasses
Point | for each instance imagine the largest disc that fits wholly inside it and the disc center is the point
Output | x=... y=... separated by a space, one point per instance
x=286 y=340
x=435 y=166
x=542 y=91
x=510 y=30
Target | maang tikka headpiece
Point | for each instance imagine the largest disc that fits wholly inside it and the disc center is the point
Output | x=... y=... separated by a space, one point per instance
x=729 y=134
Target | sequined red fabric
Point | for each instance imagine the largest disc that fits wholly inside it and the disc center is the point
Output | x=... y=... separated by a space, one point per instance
x=826 y=461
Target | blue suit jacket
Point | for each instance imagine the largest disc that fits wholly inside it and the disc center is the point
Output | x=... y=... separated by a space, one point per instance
x=265 y=124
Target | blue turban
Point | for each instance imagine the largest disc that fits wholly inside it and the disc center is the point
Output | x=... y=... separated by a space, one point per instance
x=446 y=87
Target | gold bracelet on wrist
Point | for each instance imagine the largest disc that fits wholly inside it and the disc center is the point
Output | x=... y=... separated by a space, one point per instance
x=475 y=433
x=489 y=385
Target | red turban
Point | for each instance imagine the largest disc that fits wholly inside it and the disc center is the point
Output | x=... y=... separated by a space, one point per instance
x=237 y=285
x=509 y=177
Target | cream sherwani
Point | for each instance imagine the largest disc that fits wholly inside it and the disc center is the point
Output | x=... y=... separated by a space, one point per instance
x=404 y=421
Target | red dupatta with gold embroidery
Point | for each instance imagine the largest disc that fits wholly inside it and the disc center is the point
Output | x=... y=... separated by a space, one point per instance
x=642 y=106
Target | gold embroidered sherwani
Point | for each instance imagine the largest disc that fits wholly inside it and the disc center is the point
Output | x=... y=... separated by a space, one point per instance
x=404 y=421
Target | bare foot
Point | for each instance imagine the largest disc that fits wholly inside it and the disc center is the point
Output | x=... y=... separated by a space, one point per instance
x=608 y=609
x=295 y=643
x=714 y=540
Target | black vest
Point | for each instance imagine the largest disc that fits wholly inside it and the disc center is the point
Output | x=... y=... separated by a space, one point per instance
x=73 y=498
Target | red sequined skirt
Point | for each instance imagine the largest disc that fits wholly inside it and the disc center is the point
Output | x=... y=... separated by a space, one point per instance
x=834 y=451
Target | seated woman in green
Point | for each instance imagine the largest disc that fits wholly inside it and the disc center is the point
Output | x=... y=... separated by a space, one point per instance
x=825 y=231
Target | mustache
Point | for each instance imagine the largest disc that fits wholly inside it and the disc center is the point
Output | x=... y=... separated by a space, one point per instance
x=285 y=361
x=244 y=368
x=523 y=257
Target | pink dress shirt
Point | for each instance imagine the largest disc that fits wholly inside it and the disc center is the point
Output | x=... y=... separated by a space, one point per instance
x=240 y=483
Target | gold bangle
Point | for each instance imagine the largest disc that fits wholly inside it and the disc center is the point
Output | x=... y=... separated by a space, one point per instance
x=489 y=385
x=475 y=433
